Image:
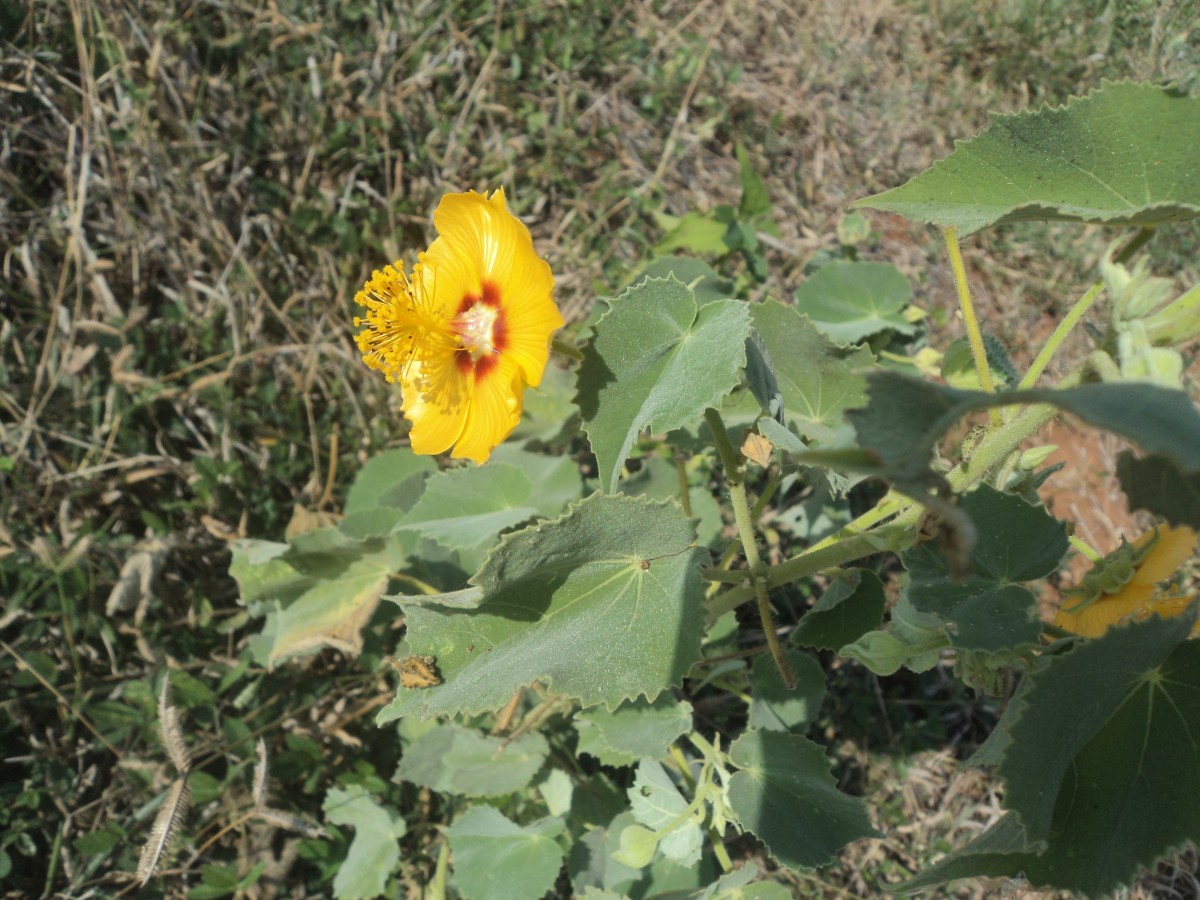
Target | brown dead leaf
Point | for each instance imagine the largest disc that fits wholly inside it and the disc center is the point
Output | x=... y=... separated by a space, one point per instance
x=304 y=520
x=221 y=531
x=757 y=449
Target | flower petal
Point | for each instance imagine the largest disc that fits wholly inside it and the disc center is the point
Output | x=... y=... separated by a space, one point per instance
x=494 y=412
x=437 y=397
x=1092 y=621
x=1175 y=547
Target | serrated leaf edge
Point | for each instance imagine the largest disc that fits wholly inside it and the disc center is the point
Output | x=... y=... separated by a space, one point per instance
x=504 y=541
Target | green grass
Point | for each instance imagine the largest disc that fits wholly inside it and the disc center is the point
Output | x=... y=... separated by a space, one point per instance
x=189 y=199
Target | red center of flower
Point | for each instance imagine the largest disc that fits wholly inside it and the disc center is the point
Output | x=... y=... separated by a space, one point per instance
x=481 y=329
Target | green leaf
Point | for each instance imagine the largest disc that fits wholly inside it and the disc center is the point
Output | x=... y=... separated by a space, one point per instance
x=1157 y=484
x=853 y=229
x=374 y=851
x=1136 y=718
x=101 y=841
x=659 y=480
x=549 y=407
x=693 y=232
x=705 y=281
x=851 y=606
x=557 y=791
x=657 y=804
x=215 y=881
x=906 y=417
x=261 y=572
x=453 y=759
x=635 y=729
x=189 y=691
x=555 y=480
x=592 y=863
x=602 y=605
x=779 y=436
x=464 y=509
x=774 y=707
x=737 y=885
x=204 y=788
x=333 y=611
x=1122 y=155
x=760 y=377
x=1103 y=766
x=818 y=379
x=221 y=881
x=989 y=610
x=849 y=301
x=594 y=893
x=494 y=858
x=755 y=200
x=591 y=860
x=383 y=473
x=915 y=641
x=786 y=797
x=656 y=361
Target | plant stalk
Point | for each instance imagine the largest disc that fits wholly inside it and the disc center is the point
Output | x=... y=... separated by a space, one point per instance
x=1081 y=306
x=745 y=527
x=974 y=335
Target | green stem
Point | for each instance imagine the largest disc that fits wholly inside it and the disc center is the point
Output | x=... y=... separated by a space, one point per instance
x=558 y=345
x=437 y=887
x=898 y=533
x=1082 y=305
x=715 y=838
x=685 y=497
x=974 y=335
x=745 y=527
x=52 y=869
x=1084 y=548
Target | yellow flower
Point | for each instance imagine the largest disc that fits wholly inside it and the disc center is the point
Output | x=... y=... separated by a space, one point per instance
x=1165 y=550
x=467 y=331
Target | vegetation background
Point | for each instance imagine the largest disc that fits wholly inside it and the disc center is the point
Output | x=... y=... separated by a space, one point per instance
x=191 y=193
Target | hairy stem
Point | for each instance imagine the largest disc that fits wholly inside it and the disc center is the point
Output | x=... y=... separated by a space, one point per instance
x=974 y=335
x=898 y=533
x=685 y=497
x=745 y=526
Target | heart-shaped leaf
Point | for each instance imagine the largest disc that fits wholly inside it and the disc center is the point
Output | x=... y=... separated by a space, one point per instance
x=375 y=849
x=495 y=857
x=464 y=509
x=785 y=795
x=989 y=609
x=1122 y=155
x=633 y=730
x=602 y=604
x=1102 y=765
x=818 y=379
x=656 y=361
x=452 y=759
x=849 y=301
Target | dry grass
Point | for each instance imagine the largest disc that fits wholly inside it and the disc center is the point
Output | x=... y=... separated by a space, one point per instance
x=191 y=193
